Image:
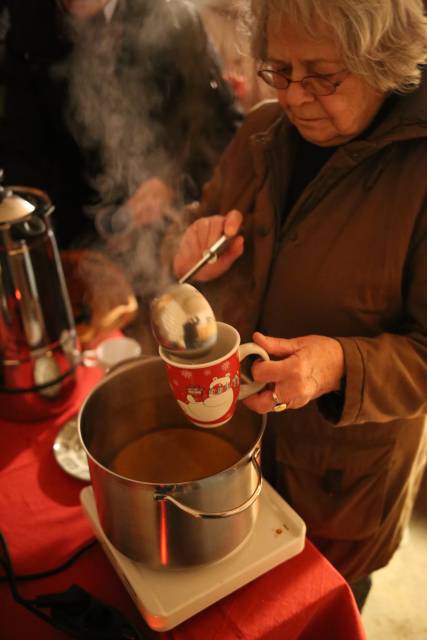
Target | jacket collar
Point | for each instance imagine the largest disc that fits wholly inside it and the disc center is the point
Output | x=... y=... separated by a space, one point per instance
x=408 y=119
x=272 y=151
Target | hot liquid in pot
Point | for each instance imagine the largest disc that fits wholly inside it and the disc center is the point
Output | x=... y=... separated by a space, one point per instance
x=178 y=454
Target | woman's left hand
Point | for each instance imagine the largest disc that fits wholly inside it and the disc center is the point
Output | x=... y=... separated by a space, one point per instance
x=304 y=369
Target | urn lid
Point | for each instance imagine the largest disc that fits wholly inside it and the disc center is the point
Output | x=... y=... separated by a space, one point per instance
x=13 y=207
x=18 y=203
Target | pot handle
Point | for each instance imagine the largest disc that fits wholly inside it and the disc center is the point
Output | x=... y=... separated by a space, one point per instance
x=219 y=514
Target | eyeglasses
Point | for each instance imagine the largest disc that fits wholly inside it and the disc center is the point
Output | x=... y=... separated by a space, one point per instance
x=317 y=85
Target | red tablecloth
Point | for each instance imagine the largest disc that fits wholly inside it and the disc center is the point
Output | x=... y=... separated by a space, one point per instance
x=43 y=523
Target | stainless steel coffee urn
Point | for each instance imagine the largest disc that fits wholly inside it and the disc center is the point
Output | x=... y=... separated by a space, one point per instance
x=39 y=350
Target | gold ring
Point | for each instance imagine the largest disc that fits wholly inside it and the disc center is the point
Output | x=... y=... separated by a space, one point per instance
x=278 y=406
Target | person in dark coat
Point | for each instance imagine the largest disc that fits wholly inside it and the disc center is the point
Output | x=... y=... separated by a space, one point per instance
x=106 y=101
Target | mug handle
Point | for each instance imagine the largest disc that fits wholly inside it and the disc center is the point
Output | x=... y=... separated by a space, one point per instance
x=245 y=350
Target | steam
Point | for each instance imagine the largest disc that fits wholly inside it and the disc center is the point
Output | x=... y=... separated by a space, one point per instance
x=111 y=104
x=121 y=109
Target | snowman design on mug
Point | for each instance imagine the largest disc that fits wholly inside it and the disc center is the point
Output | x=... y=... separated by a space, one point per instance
x=208 y=403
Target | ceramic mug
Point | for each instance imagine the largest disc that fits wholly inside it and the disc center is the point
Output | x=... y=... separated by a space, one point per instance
x=207 y=388
x=110 y=352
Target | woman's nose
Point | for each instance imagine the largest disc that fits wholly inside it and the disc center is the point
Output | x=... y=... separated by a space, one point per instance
x=295 y=95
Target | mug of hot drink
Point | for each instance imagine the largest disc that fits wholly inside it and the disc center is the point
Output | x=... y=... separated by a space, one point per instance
x=208 y=387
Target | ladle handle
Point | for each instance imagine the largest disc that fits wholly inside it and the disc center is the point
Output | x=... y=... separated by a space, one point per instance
x=218 y=514
x=208 y=255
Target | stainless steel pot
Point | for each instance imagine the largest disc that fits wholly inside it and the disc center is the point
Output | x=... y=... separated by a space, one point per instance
x=166 y=525
x=39 y=350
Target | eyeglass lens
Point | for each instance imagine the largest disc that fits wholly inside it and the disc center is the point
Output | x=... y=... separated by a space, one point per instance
x=315 y=85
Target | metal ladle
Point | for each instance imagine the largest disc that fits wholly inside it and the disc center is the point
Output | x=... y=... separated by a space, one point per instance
x=182 y=319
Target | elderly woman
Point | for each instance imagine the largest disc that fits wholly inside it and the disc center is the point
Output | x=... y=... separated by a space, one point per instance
x=329 y=265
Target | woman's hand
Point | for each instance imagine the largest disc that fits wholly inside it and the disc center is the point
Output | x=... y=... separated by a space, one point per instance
x=200 y=236
x=305 y=369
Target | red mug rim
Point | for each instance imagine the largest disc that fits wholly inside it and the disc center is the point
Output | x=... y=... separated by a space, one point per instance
x=189 y=364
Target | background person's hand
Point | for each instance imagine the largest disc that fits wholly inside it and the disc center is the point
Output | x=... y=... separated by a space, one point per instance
x=150 y=201
x=305 y=368
x=82 y=9
x=200 y=236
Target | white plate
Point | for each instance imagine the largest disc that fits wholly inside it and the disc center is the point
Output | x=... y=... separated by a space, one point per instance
x=69 y=452
x=166 y=598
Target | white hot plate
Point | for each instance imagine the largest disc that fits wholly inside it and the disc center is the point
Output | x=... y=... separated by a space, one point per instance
x=166 y=598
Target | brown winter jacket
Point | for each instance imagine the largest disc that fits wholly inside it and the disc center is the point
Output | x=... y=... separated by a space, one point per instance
x=349 y=262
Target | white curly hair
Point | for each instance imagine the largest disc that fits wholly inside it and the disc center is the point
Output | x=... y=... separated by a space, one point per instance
x=384 y=41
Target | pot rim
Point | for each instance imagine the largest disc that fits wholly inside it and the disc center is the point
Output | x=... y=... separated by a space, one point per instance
x=116 y=371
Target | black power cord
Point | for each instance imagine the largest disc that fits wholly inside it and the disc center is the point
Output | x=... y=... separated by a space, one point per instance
x=74 y=611
x=51 y=572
